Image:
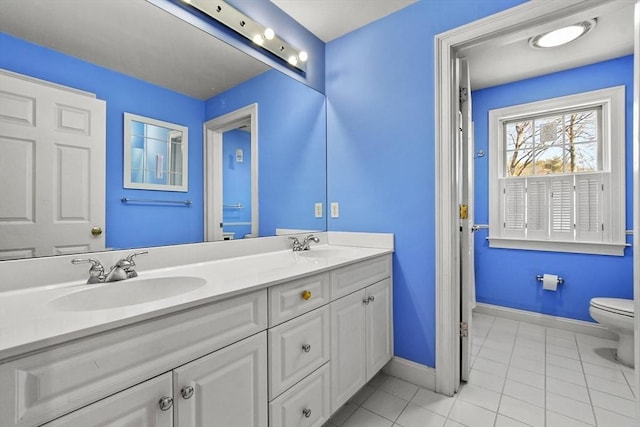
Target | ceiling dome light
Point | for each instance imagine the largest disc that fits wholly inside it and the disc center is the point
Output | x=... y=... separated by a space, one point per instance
x=303 y=56
x=562 y=35
x=269 y=34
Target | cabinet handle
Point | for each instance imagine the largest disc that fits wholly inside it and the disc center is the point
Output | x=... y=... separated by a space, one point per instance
x=372 y=298
x=306 y=412
x=366 y=301
x=186 y=391
x=306 y=348
x=306 y=295
x=165 y=403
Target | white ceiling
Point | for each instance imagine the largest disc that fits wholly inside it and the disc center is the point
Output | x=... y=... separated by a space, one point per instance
x=330 y=19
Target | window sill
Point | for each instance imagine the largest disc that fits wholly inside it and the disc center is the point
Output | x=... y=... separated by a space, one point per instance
x=596 y=248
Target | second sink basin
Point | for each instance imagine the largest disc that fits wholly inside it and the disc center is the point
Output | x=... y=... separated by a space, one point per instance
x=126 y=292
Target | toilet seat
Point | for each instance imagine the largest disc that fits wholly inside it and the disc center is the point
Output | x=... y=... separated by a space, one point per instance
x=619 y=306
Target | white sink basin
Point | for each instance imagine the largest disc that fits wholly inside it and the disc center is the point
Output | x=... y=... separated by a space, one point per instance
x=126 y=292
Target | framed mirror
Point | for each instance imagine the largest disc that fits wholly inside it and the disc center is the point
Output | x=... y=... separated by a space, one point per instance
x=156 y=154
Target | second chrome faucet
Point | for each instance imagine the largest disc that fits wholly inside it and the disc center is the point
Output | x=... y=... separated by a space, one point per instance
x=304 y=246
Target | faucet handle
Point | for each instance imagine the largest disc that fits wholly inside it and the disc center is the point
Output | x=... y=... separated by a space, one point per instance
x=96 y=271
x=128 y=265
x=130 y=257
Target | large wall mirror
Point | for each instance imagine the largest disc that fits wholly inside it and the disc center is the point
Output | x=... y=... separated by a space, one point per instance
x=140 y=59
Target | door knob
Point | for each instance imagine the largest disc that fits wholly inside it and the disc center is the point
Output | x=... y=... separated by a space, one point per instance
x=96 y=231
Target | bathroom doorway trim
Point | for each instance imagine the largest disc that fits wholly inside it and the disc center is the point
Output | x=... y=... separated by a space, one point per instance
x=447 y=46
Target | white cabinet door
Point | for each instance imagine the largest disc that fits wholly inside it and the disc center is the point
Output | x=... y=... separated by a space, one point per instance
x=136 y=406
x=379 y=326
x=52 y=163
x=227 y=388
x=348 y=332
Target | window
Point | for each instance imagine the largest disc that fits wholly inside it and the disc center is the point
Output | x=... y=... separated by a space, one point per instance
x=557 y=170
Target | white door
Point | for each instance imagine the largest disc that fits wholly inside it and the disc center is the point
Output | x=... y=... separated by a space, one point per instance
x=135 y=406
x=348 y=347
x=52 y=169
x=466 y=189
x=227 y=388
x=379 y=327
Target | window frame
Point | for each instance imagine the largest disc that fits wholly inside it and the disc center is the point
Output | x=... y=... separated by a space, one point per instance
x=612 y=149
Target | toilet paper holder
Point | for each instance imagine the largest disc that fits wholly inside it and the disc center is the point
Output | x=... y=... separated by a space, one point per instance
x=539 y=278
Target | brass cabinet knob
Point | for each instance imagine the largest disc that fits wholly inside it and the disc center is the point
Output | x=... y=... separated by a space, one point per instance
x=306 y=295
x=165 y=403
x=186 y=392
x=96 y=231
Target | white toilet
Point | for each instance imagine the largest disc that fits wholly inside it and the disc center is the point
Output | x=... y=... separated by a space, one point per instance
x=617 y=315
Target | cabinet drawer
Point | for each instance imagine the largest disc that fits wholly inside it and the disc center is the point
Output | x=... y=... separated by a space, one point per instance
x=349 y=279
x=135 y=406
x=304 y=405
x=294 y=298
x=40 y=387
x=297 y=348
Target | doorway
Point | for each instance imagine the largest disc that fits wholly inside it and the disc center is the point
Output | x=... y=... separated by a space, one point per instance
x=231 y=153
x=450 y=46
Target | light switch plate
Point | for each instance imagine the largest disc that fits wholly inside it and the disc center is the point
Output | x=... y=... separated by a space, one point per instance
x=335 y=210
x=318 y=210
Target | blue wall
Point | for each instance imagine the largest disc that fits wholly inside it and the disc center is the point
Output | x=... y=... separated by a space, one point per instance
x=126 y=225
x=380 y=132
x=513 y=283
x=236 y=182
x=291 y=148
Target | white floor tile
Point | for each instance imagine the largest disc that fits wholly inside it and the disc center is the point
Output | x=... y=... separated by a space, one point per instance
x=570 y=407
x=416 y=416
x=611 y=419
x=485 y=380
x=526 y=377
x=613 y=403
x=607 y=372
x=557 y=420
x=563 y=351
x=502 y=421
x=362 y=395
x=566 y=375
x=480 y=396
x=567 y=389
x=495 y=354
x=564 y=362
x=611 y=387
x=565 y=341
x=451 y=423
x=471 y=415
x=523 y=411
x=384 y=404
x=364 y=418
x=524 y=392
x=435 y=402
x=537 y=366
x=490 y=367
x=378 y=380
x=343 y=414
x=400 y=388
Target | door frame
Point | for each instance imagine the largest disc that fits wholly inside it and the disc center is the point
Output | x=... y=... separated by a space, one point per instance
x=213 y=165
x=447 y=275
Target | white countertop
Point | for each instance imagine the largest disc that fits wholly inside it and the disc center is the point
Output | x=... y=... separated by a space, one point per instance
x=30 y=322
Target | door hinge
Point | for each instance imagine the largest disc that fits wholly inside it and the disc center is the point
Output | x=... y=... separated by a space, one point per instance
x=463 y=95
x=464 y=211
x=464 y=329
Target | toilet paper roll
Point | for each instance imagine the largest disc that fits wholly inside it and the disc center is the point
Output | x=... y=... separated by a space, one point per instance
x=550 y=282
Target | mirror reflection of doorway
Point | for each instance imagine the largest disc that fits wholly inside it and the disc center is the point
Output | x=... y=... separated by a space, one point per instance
x=231 y=175
x=236 y=182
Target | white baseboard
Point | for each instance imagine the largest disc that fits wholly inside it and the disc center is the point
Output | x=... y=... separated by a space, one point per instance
x=415 y=373
x=546 y=320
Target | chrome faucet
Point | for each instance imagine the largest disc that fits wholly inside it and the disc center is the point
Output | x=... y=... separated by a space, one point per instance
x=124 y=269
x=304 y=246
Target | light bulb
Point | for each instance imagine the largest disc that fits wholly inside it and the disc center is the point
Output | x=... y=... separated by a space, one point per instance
x=562 y=35
x=303 y=56
x=257 y=39
x=269 y=34
x=293 y=60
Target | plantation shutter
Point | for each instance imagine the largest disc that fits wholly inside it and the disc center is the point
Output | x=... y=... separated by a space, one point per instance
x=589 y=207
x=561 y=209
x=537 y=208
x=513 y=220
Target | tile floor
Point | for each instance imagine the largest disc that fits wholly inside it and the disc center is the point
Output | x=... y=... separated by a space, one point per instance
x=522 y=375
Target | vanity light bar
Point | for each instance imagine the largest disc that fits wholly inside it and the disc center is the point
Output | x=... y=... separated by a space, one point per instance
x=252 y=30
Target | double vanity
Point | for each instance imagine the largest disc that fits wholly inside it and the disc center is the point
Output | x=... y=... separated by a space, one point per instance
x=275 y=338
